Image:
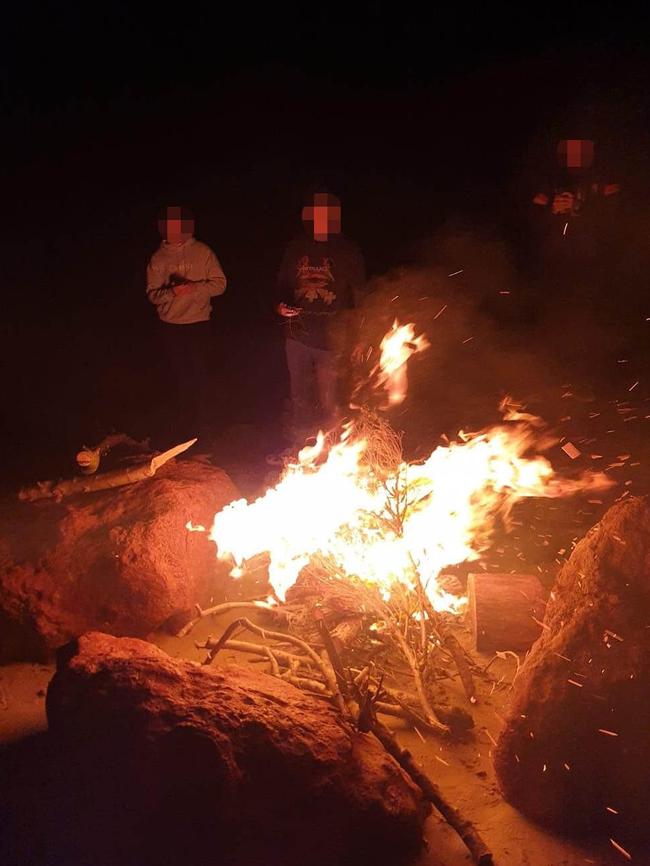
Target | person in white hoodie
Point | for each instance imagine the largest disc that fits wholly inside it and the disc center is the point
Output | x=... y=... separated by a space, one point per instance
x=183 y=276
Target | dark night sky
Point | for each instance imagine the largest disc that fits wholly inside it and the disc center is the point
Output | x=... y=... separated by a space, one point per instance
x=56 y=54
x=104 y=103
x=414 y=115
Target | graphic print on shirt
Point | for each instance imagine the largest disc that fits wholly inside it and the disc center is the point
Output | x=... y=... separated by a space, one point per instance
x=312 y=280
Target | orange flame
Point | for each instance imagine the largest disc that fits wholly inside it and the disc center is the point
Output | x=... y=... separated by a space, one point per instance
x=396 y=348
x=426 y=517
x=339 y=509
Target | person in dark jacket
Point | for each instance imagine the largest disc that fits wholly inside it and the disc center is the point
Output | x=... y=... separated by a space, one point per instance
x=321 y=280
x=572 y=213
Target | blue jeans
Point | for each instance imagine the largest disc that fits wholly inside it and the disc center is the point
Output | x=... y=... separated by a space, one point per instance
x=314 y=389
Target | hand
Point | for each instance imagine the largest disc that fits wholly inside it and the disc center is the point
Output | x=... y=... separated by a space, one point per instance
x=358 y=354
x=287 y=311
x=182 y=289
x=563 y=203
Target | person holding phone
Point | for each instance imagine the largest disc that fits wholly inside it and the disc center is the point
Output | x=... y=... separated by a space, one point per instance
x=183 y=276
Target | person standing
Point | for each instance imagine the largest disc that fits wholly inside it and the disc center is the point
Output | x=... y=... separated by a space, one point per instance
x=183 y=276
x=322 y=276
x=573 y=216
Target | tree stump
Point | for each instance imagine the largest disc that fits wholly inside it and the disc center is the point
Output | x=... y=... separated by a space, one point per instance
x=505 y=610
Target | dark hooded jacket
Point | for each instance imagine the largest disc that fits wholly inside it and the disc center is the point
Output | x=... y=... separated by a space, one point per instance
x=326 y=280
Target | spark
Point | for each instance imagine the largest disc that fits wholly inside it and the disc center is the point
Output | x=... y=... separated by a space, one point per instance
x=441 y=311
x=492 y=740
x=455 y=273
x=622 y=850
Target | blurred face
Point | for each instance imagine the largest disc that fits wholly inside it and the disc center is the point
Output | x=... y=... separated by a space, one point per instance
x=323 y=217
x=175 y=229
x=576 y=153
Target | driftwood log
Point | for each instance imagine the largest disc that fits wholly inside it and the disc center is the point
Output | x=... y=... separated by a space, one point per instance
x=505 y=611
x=481 y=854
x=57 y=490
x=120 y=560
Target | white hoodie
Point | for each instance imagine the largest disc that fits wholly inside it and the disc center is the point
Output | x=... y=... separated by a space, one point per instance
x=192 y=262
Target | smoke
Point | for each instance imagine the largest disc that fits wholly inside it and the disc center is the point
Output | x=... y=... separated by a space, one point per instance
x=494 y=330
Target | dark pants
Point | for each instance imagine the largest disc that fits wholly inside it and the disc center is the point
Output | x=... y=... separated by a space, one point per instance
x=187 y=348
x=314 y=389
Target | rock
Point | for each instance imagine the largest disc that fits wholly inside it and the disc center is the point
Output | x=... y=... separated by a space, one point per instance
x=119 y=560
x=577 y=737
x=174 y=762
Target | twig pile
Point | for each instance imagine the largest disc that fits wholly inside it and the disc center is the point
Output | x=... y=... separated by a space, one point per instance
x=375 y=635
x=349 y=665
x=337 y=637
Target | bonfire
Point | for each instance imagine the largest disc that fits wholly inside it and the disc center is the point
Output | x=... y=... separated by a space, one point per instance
x=355 y=540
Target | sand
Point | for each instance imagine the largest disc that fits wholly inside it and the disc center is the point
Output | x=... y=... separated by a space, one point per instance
x=463 y=771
